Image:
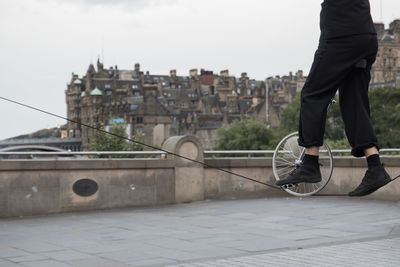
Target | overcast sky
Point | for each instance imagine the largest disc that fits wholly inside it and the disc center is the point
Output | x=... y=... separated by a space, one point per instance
x=44 y=41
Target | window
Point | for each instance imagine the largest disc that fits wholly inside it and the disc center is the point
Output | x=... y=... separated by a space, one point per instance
x=139 y=119
x=134 y=86
x=107 y=86
x=139 y=130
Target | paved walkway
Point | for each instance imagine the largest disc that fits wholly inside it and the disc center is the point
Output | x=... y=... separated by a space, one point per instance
x=261 y=232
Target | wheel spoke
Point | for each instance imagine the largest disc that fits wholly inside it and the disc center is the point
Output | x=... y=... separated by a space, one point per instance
x=286 y=157
x=283 y=161
x=280 y=169
x=286 y=172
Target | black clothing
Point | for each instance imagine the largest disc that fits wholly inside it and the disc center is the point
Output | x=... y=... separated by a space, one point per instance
x=310 y=160
x=347 y=37
x=374 y=160
x=302 y=174
x=374 y=178
x=333 y=68
x=345 y=17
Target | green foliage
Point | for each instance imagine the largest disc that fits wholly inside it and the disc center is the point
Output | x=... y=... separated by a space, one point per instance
x=102 y=141
x=338 y=144
x=251 y=135
x=334 y=127
x=246 y=134
x=385 y=115
x=290 y=117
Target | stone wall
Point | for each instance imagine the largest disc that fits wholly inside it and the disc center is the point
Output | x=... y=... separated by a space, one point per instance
x=39 y=187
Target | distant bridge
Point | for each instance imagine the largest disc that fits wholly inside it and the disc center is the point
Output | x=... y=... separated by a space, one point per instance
x=41 y=144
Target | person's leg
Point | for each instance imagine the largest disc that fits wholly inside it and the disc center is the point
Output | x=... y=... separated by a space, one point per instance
x=332 y=62
x=371 y=151
x=313 y=150
x=354 y=104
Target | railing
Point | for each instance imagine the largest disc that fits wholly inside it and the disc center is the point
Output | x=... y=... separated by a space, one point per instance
x=249 y=153
x=81 y=154
x=162 y=154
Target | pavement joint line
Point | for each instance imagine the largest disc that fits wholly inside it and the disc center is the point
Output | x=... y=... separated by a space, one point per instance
x=290 y=249
x=255 y=229
x=349 y=257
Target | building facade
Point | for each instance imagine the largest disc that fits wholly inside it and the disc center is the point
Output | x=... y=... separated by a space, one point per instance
x=159 y=106
x=386 y=69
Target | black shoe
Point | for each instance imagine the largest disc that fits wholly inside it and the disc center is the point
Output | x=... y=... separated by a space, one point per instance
x=374 y=178
x=302 y=174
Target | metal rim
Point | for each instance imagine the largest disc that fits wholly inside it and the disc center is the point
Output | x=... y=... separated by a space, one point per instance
x=288 y=154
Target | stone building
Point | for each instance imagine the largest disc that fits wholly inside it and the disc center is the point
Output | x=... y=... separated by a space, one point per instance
x=386 y=70
x=280 y=92
x=113 y=95
x=159 y=106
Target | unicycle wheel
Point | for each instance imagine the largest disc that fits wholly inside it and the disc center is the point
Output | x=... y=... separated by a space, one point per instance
x=288 y=155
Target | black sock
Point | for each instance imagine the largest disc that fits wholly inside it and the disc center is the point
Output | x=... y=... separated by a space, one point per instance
x=373 y=160
x=310 y=160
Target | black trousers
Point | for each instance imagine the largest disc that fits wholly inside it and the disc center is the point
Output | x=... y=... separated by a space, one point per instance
x=336 y=67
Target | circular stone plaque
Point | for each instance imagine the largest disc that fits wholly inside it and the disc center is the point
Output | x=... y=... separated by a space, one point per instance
x=85 y=187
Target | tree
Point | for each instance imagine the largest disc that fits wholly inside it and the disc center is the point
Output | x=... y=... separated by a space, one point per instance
x=385 y=118
x=334 y=127
x=385 y=115
x=102 y=141
x=245 y=134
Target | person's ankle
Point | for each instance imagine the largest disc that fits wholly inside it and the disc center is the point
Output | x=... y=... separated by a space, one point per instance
x=373 y=161
x=311 y=160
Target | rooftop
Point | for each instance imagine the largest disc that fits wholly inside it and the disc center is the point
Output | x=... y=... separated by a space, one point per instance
x=96 y=91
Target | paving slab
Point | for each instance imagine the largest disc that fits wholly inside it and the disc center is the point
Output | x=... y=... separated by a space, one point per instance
x=383 y=252
x=255 y=232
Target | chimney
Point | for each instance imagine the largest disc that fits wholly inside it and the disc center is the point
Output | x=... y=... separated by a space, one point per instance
x=116 y=72
x=224 y=73
x=299 y=74
x=172 y=73
x=137 y=67
x=193 y=73
x=380 y=28
x=394 y=29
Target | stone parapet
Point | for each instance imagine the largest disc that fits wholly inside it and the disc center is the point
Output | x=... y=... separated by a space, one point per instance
x=39 y=187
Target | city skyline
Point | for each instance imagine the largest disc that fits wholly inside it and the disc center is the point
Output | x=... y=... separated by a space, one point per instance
x=44 y=41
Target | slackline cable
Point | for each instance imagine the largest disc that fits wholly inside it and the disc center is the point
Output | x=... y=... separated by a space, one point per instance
x=141 y=143
x=160 y=149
